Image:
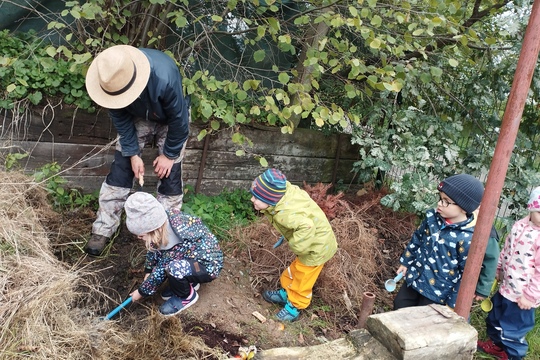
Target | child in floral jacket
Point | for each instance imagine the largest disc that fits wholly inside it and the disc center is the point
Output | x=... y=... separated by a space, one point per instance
x=181 y=249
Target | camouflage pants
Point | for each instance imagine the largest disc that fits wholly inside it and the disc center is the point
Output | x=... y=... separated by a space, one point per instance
x=119 y=183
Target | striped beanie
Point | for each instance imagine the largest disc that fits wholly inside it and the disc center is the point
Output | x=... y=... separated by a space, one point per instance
x=269 y=187
x=534 y=200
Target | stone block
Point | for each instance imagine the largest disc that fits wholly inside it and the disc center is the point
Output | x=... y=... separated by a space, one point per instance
x=424 y=333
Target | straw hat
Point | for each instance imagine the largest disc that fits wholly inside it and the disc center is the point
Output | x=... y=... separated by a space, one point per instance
x=117 y=76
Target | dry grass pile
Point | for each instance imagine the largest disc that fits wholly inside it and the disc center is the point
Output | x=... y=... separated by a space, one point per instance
x=49 y=310
x=370 y=239
x=356 y=267
x=351 y=272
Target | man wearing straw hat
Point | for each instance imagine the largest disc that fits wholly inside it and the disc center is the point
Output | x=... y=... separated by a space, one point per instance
x=142 y=88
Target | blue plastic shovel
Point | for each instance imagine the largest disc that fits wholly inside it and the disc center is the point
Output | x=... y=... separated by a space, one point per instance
x=118 y=308
x=391 y=284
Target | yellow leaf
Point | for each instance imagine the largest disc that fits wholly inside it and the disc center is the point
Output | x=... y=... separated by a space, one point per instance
x=375 y=44
x=453 y=62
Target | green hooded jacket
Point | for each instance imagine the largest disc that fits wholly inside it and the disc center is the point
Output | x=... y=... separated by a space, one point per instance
x=304 y=225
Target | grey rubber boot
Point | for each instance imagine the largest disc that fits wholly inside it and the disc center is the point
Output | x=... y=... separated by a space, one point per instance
x=96 y=244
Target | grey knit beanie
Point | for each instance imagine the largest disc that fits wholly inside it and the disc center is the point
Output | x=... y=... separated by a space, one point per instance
x=144 y=213
x=465 y=190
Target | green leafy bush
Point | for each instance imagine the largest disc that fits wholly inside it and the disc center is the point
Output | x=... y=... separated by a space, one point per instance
x=32 y=70
x=221 y=212
x=62 y=198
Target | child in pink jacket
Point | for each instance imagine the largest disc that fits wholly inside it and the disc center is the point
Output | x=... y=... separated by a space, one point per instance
x=518 y=272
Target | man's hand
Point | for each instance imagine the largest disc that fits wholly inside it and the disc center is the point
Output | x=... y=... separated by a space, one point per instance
x=137 y=165
x=162 y=166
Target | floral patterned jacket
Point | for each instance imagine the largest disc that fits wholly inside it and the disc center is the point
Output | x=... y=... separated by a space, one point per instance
x=196 y=242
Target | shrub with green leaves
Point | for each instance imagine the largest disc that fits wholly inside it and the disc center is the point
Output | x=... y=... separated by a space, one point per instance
x=32 y=69
x=221 y=212
x=62 y=197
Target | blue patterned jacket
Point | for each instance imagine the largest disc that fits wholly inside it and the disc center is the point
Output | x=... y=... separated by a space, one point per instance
x=435 y=257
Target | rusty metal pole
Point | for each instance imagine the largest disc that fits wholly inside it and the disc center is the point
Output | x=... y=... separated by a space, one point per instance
x=366 y=309
x=501 y=158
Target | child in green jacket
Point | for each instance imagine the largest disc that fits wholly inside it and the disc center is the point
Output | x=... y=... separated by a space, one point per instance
x=306 y=229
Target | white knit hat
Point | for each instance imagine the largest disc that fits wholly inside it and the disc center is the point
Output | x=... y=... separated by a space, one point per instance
x=144 y=213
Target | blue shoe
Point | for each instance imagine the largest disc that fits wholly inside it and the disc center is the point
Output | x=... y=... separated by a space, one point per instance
x=167 y=293
x=175 y=305
x=275 y=296
x=289 y=313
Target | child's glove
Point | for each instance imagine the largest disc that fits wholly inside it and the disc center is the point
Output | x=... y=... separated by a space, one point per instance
x=279 y=242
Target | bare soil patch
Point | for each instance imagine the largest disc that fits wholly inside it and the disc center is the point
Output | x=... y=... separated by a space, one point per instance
x=371 y=239
x=54 y=297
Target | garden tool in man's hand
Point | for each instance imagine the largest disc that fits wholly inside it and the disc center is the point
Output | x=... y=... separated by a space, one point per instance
x=141 y=182
x=138 y=185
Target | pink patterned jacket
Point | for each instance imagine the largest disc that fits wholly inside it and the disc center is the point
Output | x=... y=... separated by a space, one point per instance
x=519 y=263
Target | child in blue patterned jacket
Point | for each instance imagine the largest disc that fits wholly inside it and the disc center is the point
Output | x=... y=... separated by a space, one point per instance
x=434 y=259
x=181 y=249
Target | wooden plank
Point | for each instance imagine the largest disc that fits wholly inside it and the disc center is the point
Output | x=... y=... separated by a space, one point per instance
x=83 y=145
x=68 y=125
x=303 y=142
x=312 y=170
x=77 y=159
x=88 y=160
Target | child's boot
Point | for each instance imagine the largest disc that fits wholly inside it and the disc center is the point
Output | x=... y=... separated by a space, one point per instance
x=288 y=313
x=275 y=296
x=489 y=347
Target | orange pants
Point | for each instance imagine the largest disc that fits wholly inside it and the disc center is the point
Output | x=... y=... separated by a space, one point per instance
x=298 y=280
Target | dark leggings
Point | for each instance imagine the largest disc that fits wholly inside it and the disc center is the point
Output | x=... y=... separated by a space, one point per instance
x=182 y=273
x=407 y=297
x=121 y=175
